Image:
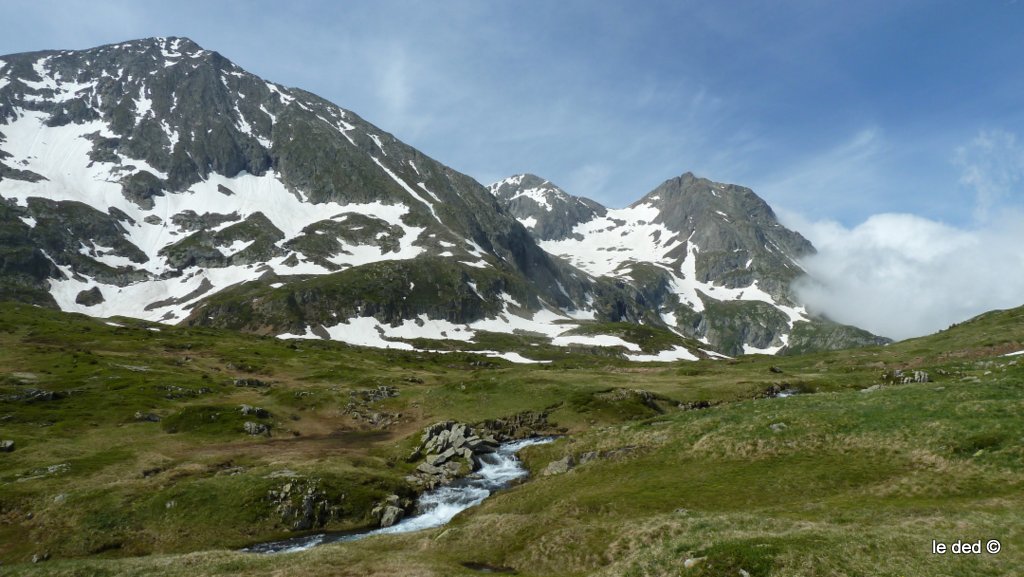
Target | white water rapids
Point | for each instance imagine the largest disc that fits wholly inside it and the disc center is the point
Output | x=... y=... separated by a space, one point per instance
x=435 y=507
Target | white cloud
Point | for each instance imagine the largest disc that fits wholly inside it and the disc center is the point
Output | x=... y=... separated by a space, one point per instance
x=902 y=275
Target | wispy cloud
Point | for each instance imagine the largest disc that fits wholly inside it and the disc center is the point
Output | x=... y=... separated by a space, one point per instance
x=993 y=167
x=833 y=179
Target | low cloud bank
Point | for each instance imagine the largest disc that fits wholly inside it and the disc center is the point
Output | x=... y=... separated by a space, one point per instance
x=901 y=275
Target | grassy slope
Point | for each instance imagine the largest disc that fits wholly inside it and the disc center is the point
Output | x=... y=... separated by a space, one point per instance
x=853 y=484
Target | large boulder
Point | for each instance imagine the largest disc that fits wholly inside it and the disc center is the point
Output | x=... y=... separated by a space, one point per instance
x=391 y=515
x=563 y=465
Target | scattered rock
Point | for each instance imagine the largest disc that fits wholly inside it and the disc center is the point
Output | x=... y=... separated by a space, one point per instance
x=42 y=472
x=37 y=395
x=448 y=448
x=378 y=394
x=359 y=408
x=695 y=405
x=871 y=389
x=59 y=499
x=40 y=557
x=147 y=417
x=519 y=426
x=303 y=505
x=6 y=446
x=774 y=369
x=251 y=383
x=898 y=377
x=777 y=427
x=256 y=428
x=170 y=504
x=258 y=412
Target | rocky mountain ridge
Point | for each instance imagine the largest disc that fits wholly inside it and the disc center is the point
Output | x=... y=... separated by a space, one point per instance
x=158 y=180
x=710 y=259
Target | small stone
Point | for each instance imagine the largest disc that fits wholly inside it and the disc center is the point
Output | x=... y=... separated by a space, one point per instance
x=777 y=427
x=6 y=446
x=256 y=428
x=693 y=562
x=258 y=412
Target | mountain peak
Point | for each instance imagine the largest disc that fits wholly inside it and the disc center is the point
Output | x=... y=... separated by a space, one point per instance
x=542 y=207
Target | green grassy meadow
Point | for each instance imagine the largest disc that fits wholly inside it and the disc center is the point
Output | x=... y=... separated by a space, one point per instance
x=703 y=474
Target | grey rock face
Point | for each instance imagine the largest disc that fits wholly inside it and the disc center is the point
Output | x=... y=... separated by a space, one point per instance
x=730 y=224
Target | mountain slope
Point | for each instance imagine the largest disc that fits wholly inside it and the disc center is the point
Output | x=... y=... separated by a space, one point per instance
x=142 y=177
x=158 y=180
x=710 y=258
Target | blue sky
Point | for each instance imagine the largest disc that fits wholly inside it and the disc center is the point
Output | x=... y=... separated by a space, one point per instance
x=834 y=112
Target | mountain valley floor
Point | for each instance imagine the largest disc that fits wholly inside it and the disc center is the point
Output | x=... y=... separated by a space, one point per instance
x=131 y=457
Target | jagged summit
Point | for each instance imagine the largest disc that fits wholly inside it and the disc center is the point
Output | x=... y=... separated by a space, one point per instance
x=542 y=207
